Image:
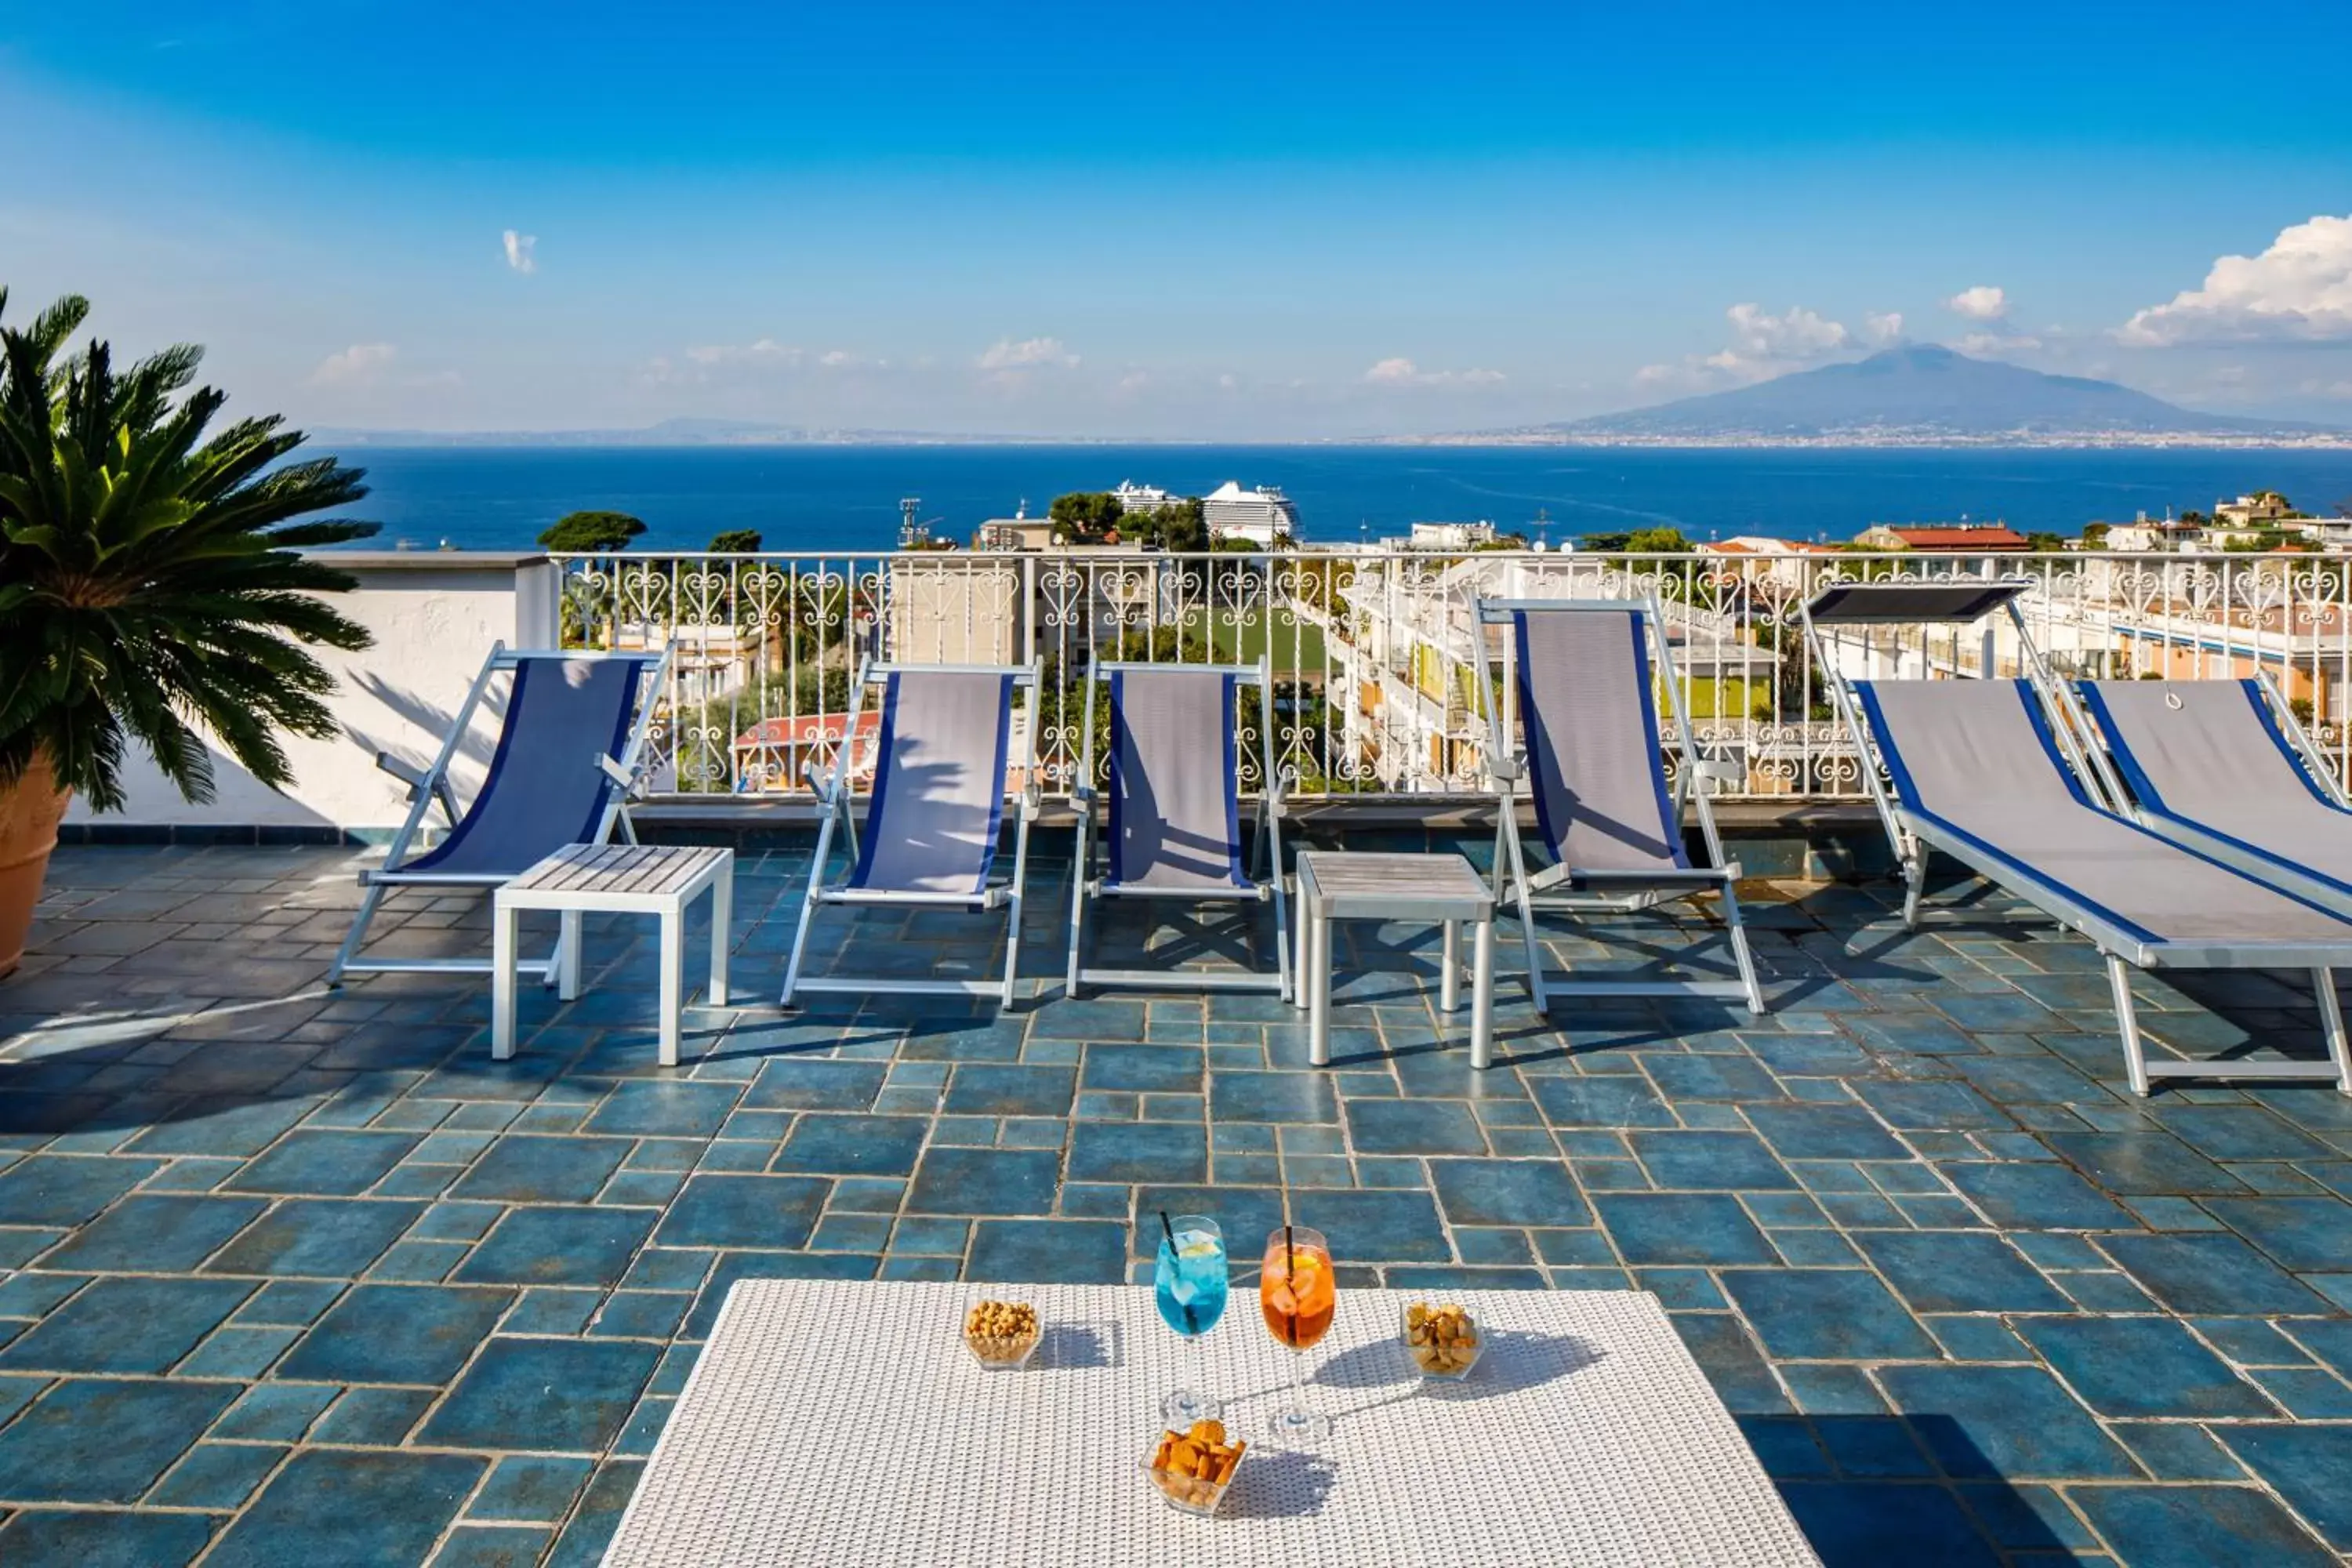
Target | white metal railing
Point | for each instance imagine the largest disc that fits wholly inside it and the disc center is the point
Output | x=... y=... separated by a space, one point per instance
x=1371 y=656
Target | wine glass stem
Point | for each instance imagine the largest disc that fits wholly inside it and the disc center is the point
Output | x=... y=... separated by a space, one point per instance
x=1299 y=1379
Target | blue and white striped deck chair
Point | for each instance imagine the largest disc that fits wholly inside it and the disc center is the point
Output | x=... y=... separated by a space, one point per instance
x=941 y=764
x=1175 y=832
x=570 y=750
x=1991 y=773
x=2225 y=768
x=1582 y=677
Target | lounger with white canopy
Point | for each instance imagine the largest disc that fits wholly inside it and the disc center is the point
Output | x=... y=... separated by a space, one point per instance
x=2224 y=767
x=1991 y=772
x=570 y=750
x=941 y=768
x=1584 y=675
x=1174 y=833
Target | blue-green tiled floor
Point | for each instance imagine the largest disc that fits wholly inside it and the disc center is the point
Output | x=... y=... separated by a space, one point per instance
x=287 y=1276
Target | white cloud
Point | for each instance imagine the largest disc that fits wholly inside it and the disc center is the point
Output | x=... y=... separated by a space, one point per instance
x=1982 y=303
x=836 y=359
x=2299 y=290
x=1762 y=345
x=1007 y=354
x=1998 y=343
x=355 y=365
x=1881 y=328
x=762 y=351
x=521 y=251
x=1402 y=372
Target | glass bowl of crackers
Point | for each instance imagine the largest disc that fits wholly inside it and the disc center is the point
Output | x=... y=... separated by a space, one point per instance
x=1195 y=1467
x=1445 y=1343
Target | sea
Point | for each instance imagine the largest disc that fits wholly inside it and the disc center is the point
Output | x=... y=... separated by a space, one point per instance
x=849 y=498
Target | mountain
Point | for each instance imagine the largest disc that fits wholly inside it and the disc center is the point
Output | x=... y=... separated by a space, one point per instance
x=1924 y=392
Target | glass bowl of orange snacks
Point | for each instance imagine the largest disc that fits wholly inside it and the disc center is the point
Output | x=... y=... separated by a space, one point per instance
x=1195 y=1467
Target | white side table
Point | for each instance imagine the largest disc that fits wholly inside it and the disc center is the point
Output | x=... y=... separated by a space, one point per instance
x=620 y=879
x=1444 y=890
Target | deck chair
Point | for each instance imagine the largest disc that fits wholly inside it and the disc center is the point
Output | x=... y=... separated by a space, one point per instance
x=570 y=752
x=1987 y=772
x=2224 y=768
x=1584 y=689
x=938 y=760
x=1174 y=789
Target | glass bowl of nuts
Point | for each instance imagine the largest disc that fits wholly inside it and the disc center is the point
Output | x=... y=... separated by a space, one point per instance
x=1445 y=1343
x=1195 y=1467
x=1001 y=1331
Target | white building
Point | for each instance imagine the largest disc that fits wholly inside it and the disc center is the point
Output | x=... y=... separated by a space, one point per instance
x=1454 y=536
x=1258 y=516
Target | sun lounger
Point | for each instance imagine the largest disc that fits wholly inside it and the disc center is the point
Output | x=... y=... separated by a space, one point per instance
x=940 y=779
x=1584 y=676
x=1987 y=771
x=1174 y=791
x=570 y=751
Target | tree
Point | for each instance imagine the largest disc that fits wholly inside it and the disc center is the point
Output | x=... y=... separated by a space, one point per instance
x=1657 y=542
x=733 y=541
x=2095 y=535
x=150 y=578
x=590 y=532
x=1606 y=544
x=2042 y=541
x=1180 y=525
x=1085 y=517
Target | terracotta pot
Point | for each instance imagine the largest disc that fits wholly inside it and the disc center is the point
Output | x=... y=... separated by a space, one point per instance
x=29 y=815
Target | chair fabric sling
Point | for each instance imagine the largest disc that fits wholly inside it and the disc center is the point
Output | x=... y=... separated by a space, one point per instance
x=1175 y=805
x=1585 y=682
x=1590 y=723
x=2209 y=757
x=1174 y=824
x=1979 y=758
x=939 y=783
x=942 y=763
x=537 y=795
x=568 y=751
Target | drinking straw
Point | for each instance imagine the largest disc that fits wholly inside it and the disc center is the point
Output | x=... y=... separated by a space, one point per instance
x=1176 y=1263
x=1290 y=1271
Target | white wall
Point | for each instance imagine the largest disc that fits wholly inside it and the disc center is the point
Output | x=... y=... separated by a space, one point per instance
x=433 y=616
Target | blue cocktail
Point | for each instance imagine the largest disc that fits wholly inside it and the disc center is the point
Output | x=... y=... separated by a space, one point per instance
x=1189 y=1285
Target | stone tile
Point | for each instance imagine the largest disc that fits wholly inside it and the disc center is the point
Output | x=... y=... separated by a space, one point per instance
x=331 y=1506
x=2133 y=1164
x=126 y=1325
x=1825 y=1314
x=66 y=1189
x=1040 y=1251
x=988 y=1089
x=162 y=1233
x=562 y=1245
x=1711 y=1162
x=501 y=1401
x=525 y=1169
x=2037 y=1197
x=1385 y=1226
x=90 y=1539
x=1958 y=1271
x=1143 y=1069
x=217 y=1476
x=372 y=1417
x=1701 y=1228
x=329 y=1165
x=2194 y=1527
x=2011 y=1422
x=816 y=1085
x=1271 y=1097
x=2143 y=1367
x=665 y=1108
x=494 y=1546
x=1857 y=1523
x=1825 y=1132
x=331 y=1237
x=1509 y=1192
x=1414 y=1126
x=1614 y=1101
x=2306 y=1465
x=1147 y=1151
x=853 y=1146
x=397 y=1333
x=2303 y=1234
x=104 y=1440
x=533 y=1487
x=2201 y=1272
x=984 y=1182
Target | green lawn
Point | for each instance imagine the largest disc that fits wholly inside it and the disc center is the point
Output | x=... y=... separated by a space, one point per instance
x=1297 y=644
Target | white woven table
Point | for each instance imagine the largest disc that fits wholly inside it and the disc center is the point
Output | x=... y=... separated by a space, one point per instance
x=658 y=879
x=838 y=1423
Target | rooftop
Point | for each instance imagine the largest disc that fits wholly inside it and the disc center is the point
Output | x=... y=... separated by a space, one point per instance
x=308 y=1276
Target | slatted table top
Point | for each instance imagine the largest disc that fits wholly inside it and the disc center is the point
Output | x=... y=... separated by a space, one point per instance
x=1347 y=885
x=633 y=870
x=834 y=1422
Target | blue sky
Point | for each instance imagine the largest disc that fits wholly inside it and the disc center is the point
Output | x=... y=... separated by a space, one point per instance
x=1208 y=221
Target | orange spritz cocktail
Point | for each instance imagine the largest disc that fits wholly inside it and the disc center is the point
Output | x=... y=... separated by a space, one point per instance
x=1294 y=1292
x=1294 y=1288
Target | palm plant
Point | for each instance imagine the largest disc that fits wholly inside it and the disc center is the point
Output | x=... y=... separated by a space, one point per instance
x=150 y=583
